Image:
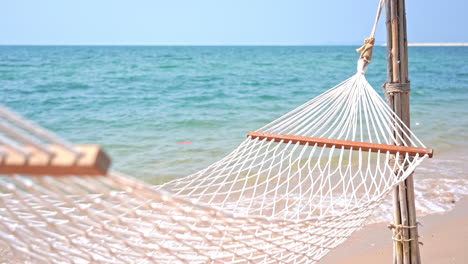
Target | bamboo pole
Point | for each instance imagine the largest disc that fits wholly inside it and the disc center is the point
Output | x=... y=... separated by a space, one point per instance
x=406 y=245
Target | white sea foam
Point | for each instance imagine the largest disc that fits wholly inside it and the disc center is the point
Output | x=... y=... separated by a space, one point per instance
x=439 y=184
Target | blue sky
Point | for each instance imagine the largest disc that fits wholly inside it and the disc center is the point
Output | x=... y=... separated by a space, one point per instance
x=220 y=22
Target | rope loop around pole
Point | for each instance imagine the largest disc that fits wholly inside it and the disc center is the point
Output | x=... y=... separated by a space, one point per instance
x=398 y=232
x=390 y=88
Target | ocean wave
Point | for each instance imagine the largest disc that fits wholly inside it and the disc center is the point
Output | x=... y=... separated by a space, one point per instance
x=432 y=196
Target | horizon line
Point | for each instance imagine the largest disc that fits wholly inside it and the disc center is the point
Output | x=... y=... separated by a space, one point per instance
x=192 y=45
x=410 y=44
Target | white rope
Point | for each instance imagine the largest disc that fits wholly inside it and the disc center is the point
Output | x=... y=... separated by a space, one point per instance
x=32 y=129
x=377 y=17
x=265 y=202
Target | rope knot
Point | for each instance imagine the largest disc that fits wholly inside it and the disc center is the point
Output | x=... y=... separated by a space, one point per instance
x=366 y=50
x=398 y=234
x=390 y=88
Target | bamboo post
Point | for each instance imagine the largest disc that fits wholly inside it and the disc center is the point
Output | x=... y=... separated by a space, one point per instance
x=406 y=245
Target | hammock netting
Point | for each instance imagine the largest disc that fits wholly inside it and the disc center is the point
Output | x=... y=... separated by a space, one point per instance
x=268 y=201
x=292 y=191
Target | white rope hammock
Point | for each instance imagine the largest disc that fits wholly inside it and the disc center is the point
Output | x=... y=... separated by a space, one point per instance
x=289 y=193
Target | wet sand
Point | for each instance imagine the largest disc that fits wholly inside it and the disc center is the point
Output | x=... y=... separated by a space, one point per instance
x=444 y=238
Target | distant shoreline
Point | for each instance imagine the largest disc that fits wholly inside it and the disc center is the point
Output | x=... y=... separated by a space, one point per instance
x=438 y=44
x=435 y=44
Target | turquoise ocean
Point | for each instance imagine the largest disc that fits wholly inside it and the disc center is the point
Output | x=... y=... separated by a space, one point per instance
x=166 y=112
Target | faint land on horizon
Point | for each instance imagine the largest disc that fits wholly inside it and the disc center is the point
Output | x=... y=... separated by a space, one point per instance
x=436 y=44
x=446 y=44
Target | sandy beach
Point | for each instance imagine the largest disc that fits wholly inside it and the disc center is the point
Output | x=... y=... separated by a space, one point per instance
x=444 y=238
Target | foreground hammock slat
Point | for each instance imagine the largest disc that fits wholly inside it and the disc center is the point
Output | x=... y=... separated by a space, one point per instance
x=57 y=161
x=345 y=144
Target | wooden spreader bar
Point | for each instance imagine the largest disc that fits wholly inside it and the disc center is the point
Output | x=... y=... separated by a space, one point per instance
x=93 y=161
x=324 y=142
